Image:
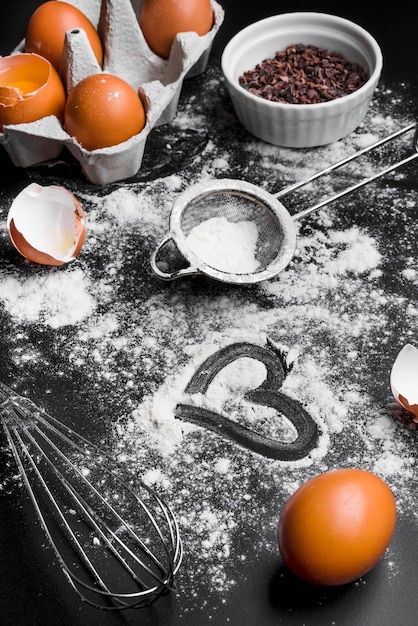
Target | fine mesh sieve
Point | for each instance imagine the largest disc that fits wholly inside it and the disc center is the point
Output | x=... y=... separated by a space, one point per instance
x=242 y=203
x=237 y=201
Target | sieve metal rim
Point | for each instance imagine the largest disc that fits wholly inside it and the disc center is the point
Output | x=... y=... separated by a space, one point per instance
x=260 y=196
x=286 y=221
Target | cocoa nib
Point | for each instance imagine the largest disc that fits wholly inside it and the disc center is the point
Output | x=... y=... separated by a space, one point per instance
x=304 y=74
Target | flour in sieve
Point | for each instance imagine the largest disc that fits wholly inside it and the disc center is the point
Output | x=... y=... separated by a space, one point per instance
x=227 y=246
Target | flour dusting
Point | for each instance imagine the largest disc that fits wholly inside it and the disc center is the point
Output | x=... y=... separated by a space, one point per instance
x=130 y=343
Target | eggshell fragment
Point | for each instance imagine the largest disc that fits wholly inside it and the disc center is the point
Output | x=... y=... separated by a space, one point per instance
x=47 y=224
x=404 y=379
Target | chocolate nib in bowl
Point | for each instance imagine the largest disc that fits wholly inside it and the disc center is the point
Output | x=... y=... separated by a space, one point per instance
x=304 y=74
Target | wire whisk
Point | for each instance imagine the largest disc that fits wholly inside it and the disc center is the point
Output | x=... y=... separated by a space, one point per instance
x=116 y=540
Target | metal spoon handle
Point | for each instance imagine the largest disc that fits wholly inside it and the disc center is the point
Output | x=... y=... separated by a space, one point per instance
x=348 y=190
x=344 y=161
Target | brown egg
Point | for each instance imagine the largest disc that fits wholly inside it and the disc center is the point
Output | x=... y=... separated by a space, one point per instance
x=103 y=110
x=45 y=33
x=162 y=20
x=30 y=89
x=47 y=224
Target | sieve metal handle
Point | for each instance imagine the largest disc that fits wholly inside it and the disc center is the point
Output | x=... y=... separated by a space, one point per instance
x=346 y=160
x=184 y=271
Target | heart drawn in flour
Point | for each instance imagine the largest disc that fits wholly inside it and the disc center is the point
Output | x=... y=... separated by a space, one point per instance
x=267 y=394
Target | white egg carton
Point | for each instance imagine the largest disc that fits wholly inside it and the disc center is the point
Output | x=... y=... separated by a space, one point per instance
x=127 y=55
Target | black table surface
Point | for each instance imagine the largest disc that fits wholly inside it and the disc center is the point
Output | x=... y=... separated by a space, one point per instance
x=93 y=391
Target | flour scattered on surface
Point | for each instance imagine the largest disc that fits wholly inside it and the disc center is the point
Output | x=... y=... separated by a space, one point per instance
x=130 y=343
x=53 y=298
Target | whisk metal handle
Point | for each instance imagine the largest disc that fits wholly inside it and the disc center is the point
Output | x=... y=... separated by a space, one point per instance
x=169 y=275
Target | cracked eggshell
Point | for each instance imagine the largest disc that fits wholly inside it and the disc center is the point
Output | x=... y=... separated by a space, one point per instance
x=30 y=89
x=47 y=224
x=127 y=55
x=404 y=379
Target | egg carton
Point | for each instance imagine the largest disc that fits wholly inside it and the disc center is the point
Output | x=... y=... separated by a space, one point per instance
x=126 y=54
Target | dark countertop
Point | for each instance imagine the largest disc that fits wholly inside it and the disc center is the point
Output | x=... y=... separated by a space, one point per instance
x=100 y=363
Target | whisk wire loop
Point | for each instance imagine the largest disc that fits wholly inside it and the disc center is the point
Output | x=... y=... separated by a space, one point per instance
x=88 y=511
x=13 y=435
x=80 y=495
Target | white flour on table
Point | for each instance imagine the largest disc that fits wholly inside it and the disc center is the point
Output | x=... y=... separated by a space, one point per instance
x=136 y=342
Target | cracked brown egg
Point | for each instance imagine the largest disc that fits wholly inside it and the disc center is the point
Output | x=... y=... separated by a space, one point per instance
x=47 y=224
x=30 y=89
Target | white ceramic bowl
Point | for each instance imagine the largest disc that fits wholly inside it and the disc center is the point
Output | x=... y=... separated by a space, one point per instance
x=300 y=125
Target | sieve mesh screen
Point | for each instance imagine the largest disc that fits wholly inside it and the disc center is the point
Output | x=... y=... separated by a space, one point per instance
x=237 y=206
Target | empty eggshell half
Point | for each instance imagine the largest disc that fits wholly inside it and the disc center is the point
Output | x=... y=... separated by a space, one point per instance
x=47 y=224
x=404 y=379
